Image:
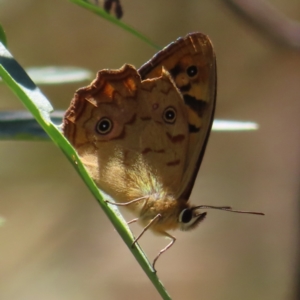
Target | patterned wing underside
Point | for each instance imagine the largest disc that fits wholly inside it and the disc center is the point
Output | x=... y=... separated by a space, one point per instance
x=192 y=65
x=141 y=151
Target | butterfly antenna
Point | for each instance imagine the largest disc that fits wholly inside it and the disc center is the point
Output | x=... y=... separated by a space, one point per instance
x=228 y=208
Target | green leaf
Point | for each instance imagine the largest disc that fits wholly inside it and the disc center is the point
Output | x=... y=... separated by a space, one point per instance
x=33 y=99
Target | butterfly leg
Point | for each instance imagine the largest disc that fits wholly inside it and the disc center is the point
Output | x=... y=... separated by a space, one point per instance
x=173 y=239
x=132 y=221
x=145 y=228
x=126 y=203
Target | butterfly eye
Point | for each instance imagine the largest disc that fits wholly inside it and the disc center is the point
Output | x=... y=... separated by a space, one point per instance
x=186 y=216
x=192 y=71
x=190 y=219
x=104 y=126
x=169 y=115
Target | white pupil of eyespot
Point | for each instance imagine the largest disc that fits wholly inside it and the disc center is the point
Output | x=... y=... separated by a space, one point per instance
x=192 y=71
x=170 y=114
x=104 y=125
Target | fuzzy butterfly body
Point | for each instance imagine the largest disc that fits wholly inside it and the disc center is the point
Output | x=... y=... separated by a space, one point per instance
x=142 y=134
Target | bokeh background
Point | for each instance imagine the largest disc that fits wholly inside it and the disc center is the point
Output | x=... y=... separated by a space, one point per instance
x=56 y=242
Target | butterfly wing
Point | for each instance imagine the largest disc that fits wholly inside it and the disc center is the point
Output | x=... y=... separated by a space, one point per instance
x=132 y=135
x=192 y=65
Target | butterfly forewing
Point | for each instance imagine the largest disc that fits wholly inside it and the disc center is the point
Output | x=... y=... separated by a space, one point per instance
x=192 y=65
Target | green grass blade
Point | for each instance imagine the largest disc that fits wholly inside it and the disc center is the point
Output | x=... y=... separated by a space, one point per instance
x=33 y=99
x=21 y=125
x=102 y=13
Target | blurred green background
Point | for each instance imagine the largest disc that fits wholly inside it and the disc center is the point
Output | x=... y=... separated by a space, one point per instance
x=56 y=242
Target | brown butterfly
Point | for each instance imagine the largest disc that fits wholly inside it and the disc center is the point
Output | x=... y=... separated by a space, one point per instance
x=142 y=134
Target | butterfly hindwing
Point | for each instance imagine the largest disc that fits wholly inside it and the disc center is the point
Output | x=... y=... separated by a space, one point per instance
x=128 y=132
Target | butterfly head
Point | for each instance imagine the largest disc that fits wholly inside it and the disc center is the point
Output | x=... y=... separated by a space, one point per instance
x=173 y=214
x=189 y=218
